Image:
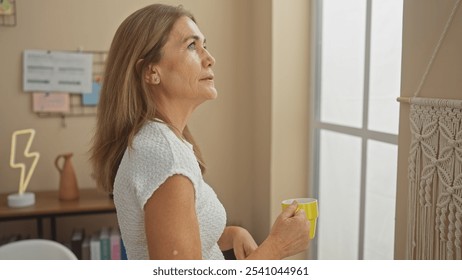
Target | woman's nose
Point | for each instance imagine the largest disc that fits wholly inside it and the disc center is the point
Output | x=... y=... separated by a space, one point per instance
x=209 y=60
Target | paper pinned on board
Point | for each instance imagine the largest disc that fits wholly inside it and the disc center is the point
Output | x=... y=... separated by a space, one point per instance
x=56 y=102
x=57 y=71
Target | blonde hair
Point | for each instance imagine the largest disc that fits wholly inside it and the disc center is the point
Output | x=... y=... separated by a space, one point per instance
x=126 y=103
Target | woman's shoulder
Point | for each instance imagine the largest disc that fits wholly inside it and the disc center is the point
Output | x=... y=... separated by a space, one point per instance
x=151 y=141
x=156 y=141
x=157 y=152
x=151 y=134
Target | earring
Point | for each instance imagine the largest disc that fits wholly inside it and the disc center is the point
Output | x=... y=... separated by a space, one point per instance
x=156 y=80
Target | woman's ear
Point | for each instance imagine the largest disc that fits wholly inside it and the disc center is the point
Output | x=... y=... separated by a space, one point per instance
x=151 y=76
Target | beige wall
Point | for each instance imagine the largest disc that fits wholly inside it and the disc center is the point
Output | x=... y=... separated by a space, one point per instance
x=253 y=136
x=290 y=102
x=260 y=65
x=280 y=86
x=222 y=127
x=424 y=20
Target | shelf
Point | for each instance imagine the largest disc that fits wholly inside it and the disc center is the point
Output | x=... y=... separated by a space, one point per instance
x=48 y=205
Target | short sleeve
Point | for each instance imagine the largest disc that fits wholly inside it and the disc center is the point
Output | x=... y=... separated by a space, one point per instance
x=154 y=161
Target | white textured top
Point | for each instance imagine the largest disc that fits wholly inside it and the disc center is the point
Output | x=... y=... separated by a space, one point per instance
x=157 y=154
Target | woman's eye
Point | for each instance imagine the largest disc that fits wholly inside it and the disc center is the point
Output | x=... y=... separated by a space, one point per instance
x=192 y=46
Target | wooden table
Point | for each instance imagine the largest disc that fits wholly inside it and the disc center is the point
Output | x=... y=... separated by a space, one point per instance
x=48 y=205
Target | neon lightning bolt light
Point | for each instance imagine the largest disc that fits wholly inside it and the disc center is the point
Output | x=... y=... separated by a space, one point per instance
x=24 y=180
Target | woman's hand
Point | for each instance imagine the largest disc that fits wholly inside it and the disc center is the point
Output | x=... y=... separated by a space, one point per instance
x=289 y=236
x=239 y=239
x=290 y=232
x=243 y=243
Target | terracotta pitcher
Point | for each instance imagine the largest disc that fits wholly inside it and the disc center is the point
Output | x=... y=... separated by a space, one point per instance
x=68 y=188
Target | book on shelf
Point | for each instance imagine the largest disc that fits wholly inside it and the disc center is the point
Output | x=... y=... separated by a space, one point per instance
x=95 y=247
x=115 y=243
x=105 y=244
x=77 y=238
x=86 y=248
x=123 y=252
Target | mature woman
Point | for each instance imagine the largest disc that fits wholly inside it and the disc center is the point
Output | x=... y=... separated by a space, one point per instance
x=158 y=71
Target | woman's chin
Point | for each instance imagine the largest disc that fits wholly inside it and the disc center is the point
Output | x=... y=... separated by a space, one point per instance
x=213 y=94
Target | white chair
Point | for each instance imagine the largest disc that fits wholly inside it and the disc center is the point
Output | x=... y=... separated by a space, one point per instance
x=35 y=249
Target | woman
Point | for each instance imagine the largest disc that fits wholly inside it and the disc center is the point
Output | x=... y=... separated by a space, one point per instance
x=158 y=71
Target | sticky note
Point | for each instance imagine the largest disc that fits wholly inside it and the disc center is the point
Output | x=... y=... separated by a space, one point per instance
x=51 y=102
x=92 y=98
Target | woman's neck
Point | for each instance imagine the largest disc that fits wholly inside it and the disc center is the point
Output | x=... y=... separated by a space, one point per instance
x=175 y=114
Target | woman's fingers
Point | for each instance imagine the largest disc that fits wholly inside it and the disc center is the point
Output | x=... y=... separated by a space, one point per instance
x=290 y=211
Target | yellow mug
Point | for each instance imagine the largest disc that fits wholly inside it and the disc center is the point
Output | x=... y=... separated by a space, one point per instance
x=310 y=206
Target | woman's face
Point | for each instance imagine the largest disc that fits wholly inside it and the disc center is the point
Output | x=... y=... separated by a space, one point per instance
x=185 y=69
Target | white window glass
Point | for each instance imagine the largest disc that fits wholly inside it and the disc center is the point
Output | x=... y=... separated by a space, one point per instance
x=342 y=62
x=385 y=65
x=380 y=200
x=355 y=154
x=339 y=185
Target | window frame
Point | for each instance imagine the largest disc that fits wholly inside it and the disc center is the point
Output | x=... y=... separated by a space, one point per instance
x=317 y=125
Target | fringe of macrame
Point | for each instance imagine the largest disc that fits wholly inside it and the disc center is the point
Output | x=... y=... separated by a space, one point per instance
x=435 y=180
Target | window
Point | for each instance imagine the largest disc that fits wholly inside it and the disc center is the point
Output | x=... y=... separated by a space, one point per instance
x=357 y=80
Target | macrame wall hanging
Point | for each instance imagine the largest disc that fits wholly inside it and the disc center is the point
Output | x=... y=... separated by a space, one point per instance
x=435 y=172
